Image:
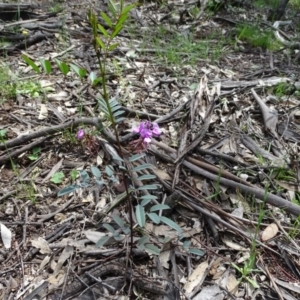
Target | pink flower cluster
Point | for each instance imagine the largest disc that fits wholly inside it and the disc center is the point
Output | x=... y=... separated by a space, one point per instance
x=146 y=130
x=80 y=134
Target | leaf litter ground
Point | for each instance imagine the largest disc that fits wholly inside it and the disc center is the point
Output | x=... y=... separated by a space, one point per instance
x=226 y=162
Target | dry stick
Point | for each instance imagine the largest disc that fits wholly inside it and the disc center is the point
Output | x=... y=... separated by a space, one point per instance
x=51 y=130
x=198 y=139
x=257 y=192
x=97 y=122
x=17 y=152
x=202 y=164
x=51 y=215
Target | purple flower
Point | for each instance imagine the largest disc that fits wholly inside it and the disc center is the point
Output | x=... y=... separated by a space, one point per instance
x=146 y=130
x=80 y=134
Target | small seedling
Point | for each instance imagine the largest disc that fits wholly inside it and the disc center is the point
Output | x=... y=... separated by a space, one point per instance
x=57 y=177
x=34 y=153
x=74 y=174
x=2 y=135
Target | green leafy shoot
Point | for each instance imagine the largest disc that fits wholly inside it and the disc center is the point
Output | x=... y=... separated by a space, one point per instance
x=57 y=177
x=79 y=71
x=74 y=174
x=140 y=215
x=2 y=134
x=46 y=65
x=31 y=63
x=64 y=68
x=34 y=153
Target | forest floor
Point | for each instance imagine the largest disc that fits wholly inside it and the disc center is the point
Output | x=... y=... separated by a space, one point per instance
x=221 y=82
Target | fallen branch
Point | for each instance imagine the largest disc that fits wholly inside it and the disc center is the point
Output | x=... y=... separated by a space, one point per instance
x=246 y=189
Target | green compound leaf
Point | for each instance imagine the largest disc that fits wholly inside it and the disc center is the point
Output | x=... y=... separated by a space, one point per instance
x=148 y=187
x=186 y=244
x=136 y=157
x=171 y=223
x=159 y=207
x=102 y=241
x=68 y=189
x=96 y=172
x=152 y=249
x=142 y=167
x=145 y=202
x=154 y=217
x=109 y=228
x=140 y=215
x=146 y=177
x=196 y=251
x=119 y=221
x=148 y=197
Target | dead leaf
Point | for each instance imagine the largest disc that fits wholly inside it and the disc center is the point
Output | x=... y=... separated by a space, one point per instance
x=232 y=284
x=68 y=251
x=269 y=232
x=196 y=279
x=41 y=244
x=5 y=236
x=43 y=112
